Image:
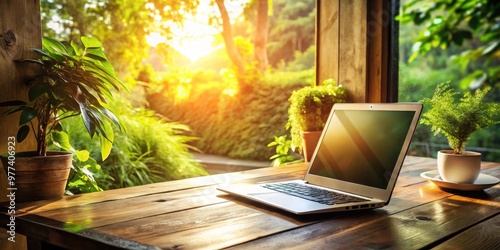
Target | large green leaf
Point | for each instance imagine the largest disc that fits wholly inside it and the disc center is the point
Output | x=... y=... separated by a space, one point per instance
x=14 y=110
x=110 y=115
x=51 y=56
x=22 y=133
x=76 y=48
x=89 y=97
x=27 y=115
x=107 y=142
x=61 y=140
x=82 y=155
x=104 y=68
x=12 y=103
x=37 y=90
x=37 y=61
x=96 y=54
x=70 y=52
x=90 y=43
x=97 y=120
x=53 y=45
x=105 y=78
x=88 y=121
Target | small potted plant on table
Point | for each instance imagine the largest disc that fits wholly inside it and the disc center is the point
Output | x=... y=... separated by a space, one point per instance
x=308 y=112
x=457 y=119
x=74 y=81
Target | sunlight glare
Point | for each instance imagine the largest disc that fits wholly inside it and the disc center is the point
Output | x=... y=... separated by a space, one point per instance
x=194 y=40
x=230 y=91
x=182 y=93
x=155 y=38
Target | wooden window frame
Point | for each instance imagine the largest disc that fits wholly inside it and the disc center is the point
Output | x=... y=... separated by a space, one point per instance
x=357 y=45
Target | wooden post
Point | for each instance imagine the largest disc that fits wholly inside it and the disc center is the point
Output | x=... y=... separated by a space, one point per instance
x=20 y=30
x=327 y=40
x=357 y=46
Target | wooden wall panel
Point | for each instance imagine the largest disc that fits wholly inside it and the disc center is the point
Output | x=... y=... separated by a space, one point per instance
x=359 y=47
x=377 y=76
x=327 y=39
x=20 y=30
x=353 y=48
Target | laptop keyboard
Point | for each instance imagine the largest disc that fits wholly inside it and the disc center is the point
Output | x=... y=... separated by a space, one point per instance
x=313 y=194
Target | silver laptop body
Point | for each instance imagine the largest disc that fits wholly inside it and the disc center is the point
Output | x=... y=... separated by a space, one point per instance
x=360 y=153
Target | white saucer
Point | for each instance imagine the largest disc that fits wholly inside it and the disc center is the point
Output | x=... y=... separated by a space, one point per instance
x=482 y=182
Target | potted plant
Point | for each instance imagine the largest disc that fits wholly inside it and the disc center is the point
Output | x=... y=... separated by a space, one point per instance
x=308 y=112
x=457 y=119
x=75 y=80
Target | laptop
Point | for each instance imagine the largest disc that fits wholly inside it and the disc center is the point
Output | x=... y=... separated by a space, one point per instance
x=355 y=164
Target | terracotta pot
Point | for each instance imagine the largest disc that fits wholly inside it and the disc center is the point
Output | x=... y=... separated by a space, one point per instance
x=39 y=177
x=459 y=168
x=309 y=142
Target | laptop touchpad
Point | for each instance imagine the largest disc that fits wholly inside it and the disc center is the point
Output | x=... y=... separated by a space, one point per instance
x=287 y=201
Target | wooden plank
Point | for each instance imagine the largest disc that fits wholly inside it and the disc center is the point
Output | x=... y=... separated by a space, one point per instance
x=353 y=48
x=420 y=221
x=410 y=160
x=213 y=227
x=327 y=40
x=261 y=175
x=225 y=234
x=191 y=216
x=377 y=53
x=77 y=200
x=115 y=211
x=185 y=226
x=123 y=208
x=20 y=30
x=481 y=236
x=405 y=231
x=356 y=52
x=48 y=233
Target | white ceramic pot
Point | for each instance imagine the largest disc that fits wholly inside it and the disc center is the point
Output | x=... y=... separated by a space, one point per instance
x=459 y=168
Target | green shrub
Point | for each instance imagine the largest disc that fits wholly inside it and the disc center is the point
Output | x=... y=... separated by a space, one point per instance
x=239 y=123
x=148 y=150
x=303 y=60
x=310 y=107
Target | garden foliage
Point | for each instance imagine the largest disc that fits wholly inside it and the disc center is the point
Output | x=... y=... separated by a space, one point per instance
x=230 y=121
x=149 y=149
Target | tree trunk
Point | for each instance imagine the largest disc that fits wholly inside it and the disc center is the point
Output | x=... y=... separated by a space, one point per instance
x=227 y=34
x=20 y=30
x=261 y=34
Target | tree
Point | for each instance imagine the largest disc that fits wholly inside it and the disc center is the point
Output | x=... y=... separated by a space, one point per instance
x=455 y=22
x=261 y=34
x=260 y=37
x=292 y=29
x=227 y=34
x=121 y=25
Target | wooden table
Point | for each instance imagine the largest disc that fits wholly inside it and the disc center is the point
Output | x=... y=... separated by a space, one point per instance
x=192 y=214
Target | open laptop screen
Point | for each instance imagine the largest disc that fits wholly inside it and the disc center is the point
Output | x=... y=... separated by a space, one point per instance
x=362 y=146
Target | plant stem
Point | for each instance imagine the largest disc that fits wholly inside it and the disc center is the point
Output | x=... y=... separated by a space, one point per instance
x=41 y=145
x=43 y=122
